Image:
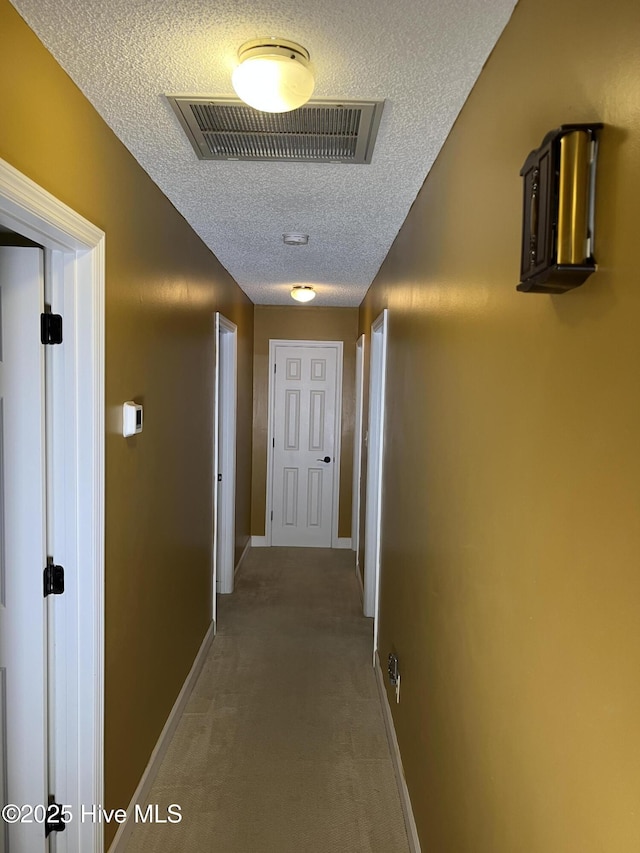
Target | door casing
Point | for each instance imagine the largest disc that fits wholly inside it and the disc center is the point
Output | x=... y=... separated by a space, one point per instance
x=375 y=457
x=358 y=435
x=338 y=345
x=224 y=455
x=77 y=255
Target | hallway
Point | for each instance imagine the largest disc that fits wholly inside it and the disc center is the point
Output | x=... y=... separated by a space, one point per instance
x=282 y=746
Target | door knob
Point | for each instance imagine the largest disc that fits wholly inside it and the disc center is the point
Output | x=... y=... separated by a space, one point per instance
x=326 y=459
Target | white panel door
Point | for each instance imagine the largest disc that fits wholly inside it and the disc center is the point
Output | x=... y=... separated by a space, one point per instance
x=304 y=448
x=22 y=545
x=358 y=435
x=219 y=468
x=226 y=408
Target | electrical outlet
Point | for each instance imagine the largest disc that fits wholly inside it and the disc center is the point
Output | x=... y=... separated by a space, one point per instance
x=393 y=669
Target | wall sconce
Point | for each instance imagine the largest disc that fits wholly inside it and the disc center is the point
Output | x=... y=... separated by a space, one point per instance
x=558 y=211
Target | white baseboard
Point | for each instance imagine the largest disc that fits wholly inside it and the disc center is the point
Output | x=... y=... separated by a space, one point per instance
x=409 y=822
x=242 y=556
x=119 y=843
x=262 y=542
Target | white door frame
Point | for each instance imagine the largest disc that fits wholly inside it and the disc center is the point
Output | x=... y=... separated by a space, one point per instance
x=338 y=346
x=78 y=251
x=357 y=450
x=375 y=446
x=226 y=335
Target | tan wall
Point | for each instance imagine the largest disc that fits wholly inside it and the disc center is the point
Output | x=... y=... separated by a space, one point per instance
x=300 y=323
x=162 y=288
x=511 y=531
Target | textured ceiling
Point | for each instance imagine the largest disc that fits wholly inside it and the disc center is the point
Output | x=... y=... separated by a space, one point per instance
x=421 y=57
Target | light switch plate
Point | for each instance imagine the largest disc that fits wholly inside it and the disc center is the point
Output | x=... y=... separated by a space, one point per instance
x=131 y=418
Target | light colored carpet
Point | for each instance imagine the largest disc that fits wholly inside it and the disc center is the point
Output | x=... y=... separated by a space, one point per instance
x=282 y=747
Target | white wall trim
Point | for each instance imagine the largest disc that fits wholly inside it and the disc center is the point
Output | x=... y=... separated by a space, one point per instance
x=245 y=551
x=33 y=212
x=119 y=843
x=342 y=543
x=409 y=820
x=357 y=448
x=338 y=448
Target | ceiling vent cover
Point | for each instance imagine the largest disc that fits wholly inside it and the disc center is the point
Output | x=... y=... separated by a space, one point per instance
x=319 y=132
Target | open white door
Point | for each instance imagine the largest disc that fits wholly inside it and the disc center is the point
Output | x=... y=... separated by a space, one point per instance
x=377 y=383
x=357 y=451
x=23 y=630
x=225 y=455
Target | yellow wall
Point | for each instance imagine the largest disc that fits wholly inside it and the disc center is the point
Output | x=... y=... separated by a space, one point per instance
x=304 y=323
x=511 y=529
x=162 y=287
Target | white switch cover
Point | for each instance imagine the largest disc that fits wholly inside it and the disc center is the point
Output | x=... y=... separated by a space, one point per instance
x=131 y=418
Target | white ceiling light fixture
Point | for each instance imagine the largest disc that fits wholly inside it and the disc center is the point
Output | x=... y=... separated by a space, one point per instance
x=274 y=75
x=303 y=293
x=295 y=239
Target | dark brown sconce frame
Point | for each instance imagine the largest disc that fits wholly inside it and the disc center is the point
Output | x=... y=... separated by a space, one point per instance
x=558 y=210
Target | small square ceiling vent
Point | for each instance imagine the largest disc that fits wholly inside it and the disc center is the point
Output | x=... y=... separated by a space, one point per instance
x=319 y=132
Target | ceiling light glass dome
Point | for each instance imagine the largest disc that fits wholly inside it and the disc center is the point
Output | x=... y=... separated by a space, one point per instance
x=274 y=75
x=303 y=293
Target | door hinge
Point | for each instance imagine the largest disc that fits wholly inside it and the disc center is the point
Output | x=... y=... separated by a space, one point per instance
x=274 y=442
x=50 y=328
x=271 y=515
x=53 y=579
x=219 y=478
x=275 y=368
x=55 y=817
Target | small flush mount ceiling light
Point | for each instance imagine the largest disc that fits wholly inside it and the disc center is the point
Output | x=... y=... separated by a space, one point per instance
x=274 y=75
x=295 y=239
x=303 y=293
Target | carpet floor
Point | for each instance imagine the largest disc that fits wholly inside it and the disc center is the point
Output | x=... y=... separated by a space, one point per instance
x=282 y=746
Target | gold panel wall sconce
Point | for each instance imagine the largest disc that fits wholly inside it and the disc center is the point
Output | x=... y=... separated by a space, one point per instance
x=559 y=210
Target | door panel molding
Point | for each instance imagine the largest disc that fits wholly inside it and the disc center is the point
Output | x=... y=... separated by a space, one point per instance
x=292 y=418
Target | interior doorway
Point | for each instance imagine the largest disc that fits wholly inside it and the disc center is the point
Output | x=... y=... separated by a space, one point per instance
x=64 y=516
x=375 y=447
x=358 y=437
x=226 y=335
x=303 y=479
